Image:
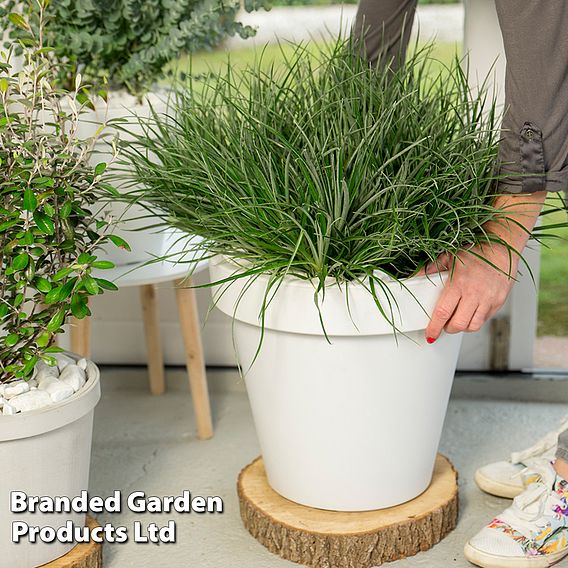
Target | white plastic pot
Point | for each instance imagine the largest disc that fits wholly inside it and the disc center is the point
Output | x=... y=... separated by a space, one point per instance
x=350 y=425
x=45 y=452
x=133 y=223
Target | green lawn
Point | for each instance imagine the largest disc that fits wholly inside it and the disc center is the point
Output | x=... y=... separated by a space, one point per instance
x=207 y=61
x=553 y=303
x=553 y=295
x=213 y=61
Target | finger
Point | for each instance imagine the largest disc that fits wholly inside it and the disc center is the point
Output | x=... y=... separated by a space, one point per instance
x=443 y=311
x=461 y=319
x=481 y=315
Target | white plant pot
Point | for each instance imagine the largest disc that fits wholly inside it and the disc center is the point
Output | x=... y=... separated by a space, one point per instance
x=350 y=425
x=45 y=452
x=134 y=223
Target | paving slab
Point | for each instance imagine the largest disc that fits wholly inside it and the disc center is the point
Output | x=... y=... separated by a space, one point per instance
x=145 y=443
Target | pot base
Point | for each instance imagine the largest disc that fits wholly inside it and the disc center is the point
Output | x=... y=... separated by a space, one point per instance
x=319 y=538
x=87 y=555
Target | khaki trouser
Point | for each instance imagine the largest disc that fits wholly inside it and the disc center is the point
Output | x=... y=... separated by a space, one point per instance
x=534 y=144
x=535 y=125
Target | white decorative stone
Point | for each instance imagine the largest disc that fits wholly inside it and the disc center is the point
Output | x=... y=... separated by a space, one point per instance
x=73 y=376
x=8 y=409
x=47 y=386
x=42 y=365
x=14 y=389
x=59 y=391
x=46 y=381
x=43 y=370
x=31 y=400
x=63 y=361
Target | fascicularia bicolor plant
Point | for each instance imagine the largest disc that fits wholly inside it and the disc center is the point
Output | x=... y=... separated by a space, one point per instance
x=48 y=231
x=324 y=168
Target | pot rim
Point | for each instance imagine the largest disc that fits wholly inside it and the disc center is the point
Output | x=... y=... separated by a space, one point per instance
x=410 y=281
x=345 y=310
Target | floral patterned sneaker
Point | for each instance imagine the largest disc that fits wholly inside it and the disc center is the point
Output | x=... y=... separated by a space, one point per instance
x=532 y=533
x=504 y=478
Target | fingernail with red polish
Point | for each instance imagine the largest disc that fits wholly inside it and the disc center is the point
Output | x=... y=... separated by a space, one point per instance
x=430 y=340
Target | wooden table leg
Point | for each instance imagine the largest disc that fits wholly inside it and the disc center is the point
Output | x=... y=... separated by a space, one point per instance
x=153 y=341
x=80 y=331
x=191 y=331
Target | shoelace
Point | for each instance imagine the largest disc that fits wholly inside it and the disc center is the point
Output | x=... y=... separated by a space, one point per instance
x=531 y=508
x=533 y=470
x=546 y=444
x=529 y=511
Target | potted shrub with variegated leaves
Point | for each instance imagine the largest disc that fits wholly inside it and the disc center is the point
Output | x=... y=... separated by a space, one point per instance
x=124 y=55
x=50 y=230
x=321 y=186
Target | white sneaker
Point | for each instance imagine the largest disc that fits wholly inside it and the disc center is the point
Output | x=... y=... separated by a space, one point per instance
x=532 y=533
x=504 y=478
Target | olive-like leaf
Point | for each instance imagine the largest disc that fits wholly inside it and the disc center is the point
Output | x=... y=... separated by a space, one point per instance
x=44 y=223
x=106 y=284
x=30 y=200
x=103 y=264
x=90 y=285
x=43 y=340
x=63 y=273
x=53 y=296
x=56 y=321
x=19 y=21
x=11 y=339
x=43 y=284
x=119 y=242
x=79 y=307
x=21 y=261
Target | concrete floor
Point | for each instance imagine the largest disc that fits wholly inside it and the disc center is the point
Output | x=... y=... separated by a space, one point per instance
x=148 y=444
x=551 y=351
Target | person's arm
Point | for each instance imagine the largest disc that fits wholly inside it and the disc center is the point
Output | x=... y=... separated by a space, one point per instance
x=477 y=290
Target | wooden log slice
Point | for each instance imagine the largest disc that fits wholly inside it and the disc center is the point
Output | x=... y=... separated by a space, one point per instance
x=331 y=539
x=84 y=555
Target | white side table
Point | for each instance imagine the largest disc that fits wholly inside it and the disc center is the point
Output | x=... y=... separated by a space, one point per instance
x=147 y=277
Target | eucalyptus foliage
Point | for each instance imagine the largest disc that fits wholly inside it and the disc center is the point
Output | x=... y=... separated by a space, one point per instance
x=323 y=167
x=48 y=230
x=129 y=42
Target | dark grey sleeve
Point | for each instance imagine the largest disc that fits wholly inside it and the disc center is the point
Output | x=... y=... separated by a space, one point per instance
x=385 y=27
x=534 y=145
x=533 y=153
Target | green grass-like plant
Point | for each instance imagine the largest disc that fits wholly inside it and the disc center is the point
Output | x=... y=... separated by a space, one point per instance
x=323 y=167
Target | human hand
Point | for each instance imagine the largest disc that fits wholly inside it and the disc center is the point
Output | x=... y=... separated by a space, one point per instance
x=474 y=291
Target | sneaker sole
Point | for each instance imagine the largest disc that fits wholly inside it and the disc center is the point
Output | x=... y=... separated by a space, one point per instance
x=485 y=560
x=495 y=488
